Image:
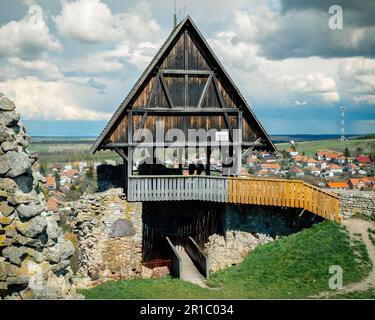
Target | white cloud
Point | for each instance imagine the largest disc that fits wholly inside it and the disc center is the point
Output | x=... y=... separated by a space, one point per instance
x=97 y=24
x=52 y=100
x=41 y=68
x=316 y=86
x=28 y=37
x=115 y=60
x=358 y=78
x=293 y=81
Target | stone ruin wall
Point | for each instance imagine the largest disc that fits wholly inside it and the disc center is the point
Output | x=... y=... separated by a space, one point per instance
x=109 y=231
x=34 y=256
x=246 y=227
x=355 y=202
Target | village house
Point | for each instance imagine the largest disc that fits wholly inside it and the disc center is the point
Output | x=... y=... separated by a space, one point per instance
x=335 y=168
x=322 y=164
x=293 y=152
x=352 y=168
x=64 y=189
x=363 y=160
x=67 y=167
x=362 y=172
x=82 y=165
x=328 y=156
x=72 y=173
x=56 y=167
x=64 y=180
x=269 y=159
x=356 y=183
x=297 y=172
x=309 y=162
x=244 y=173
x=272 y=167
x=52 y=204
x=337 y=185
x=51 y=183
x=262 y=173
x=312 y=170
x=252 y=160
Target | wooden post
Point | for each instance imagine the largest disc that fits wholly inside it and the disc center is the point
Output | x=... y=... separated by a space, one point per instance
x=208 y=162
x=130 y=149
x=125 y=166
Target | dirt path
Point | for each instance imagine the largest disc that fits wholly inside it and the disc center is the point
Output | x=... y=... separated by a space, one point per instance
x=358 y=226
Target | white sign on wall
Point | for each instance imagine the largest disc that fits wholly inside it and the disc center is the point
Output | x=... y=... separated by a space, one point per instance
x=222 y=136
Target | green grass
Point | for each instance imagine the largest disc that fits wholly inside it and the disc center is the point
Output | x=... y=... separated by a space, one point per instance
x=368 y=294
x=292 y=267
x=310 y=147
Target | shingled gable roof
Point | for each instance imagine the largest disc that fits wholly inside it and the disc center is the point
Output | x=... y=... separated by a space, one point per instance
x=150 y=68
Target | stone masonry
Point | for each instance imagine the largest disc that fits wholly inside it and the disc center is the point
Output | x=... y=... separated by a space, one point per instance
x=109 y=231
x=354 y=202
x=34 y=256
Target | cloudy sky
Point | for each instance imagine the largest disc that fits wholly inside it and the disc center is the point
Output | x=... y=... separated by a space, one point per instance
x=69 y=64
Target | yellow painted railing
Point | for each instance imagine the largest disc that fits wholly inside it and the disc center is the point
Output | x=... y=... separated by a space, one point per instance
x=284 y=193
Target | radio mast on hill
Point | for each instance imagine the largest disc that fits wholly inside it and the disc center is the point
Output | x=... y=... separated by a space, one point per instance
x=342 y=111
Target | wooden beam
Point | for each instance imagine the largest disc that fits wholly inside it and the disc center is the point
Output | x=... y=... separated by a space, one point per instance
x=186 y=63
x=251 y=145
x=166 y=91
x=229 y=125
x=182 y=144
x=181 y=110
x=208 y=162
x=216 y=86
x=183 y=72
x=186 y=53
x=186 y=96
x=130 y=141
x=121 y=153
x=141 y=126
x=153 y=91
x=204 y=92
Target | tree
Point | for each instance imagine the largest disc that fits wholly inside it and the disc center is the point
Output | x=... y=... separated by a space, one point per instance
x=43 y=168
x=346 y=152
x=57 y=178
x=90 y=172
x=359 y=150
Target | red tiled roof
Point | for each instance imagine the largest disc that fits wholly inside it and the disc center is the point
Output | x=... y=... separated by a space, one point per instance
x=50 y=181
x=354 y=181
x=334 y=166
x=270 y=166
x=337 y=185
x=52 y=204
x=296 y=170
x=363 y=159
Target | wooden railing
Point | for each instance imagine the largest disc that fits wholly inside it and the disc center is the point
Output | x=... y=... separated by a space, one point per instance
x=166 y=188
x=269 y=192
x=284 y=193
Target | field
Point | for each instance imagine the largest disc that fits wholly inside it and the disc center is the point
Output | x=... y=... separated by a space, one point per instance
x=69 y=151
x=292 y=267
x=61 y=150
x=367 y=146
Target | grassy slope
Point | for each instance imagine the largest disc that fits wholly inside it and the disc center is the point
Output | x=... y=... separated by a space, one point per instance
x=310 y=147
x=292 y=267
x=369 y=294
